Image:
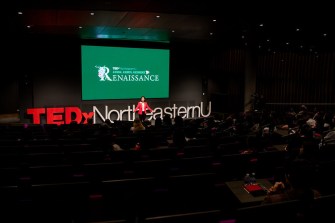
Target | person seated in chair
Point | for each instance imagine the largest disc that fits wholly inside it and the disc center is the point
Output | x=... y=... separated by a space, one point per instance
x=297 y=185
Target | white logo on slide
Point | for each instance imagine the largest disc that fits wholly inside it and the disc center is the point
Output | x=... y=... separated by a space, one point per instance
x=103 y=73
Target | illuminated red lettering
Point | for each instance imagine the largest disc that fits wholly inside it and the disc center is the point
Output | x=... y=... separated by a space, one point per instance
x=87 y=116
x=68 y=115
x=55 y=116
x=36 y=112
x=60 y=115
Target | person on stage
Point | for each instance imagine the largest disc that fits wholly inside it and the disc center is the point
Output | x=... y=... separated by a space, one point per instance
x=141 y=108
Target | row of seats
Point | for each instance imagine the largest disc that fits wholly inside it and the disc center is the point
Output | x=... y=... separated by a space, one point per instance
x=167 y=163
x=122 y=199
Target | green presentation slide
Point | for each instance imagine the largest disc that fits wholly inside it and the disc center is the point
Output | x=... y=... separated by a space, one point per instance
x=124 y=73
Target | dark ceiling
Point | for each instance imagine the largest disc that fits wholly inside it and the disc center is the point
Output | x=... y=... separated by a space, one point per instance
x=272 y=26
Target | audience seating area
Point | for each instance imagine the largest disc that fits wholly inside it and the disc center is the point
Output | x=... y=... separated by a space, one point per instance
x=71 y=173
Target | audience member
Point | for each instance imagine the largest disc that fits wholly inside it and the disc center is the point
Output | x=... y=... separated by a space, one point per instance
x=158 y=122
x=137 y=126
x=293 y=148
x=178 y=133
x=167 y=121
x=329 y=138
x=298 y=184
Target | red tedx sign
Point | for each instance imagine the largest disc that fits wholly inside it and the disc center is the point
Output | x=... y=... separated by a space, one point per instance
x=59 y=116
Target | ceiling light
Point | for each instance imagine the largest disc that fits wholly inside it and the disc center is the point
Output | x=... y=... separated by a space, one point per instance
x=261 y=24
x=20 y=13
x=214 y=20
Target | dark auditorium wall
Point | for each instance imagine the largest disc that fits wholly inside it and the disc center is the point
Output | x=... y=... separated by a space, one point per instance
x=9 y=100
x=286 y=78
x=226 y=79
x=11 y=73
x=297 y=77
